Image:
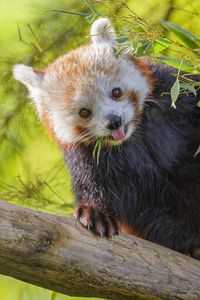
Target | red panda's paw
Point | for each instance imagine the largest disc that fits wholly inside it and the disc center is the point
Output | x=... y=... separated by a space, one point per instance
x=97 y=221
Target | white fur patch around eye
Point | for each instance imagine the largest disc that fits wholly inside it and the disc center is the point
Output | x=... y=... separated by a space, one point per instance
x=103 y=33
x=133 y=80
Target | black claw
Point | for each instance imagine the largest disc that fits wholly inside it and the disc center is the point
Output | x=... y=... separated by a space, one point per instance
x=99 y=227
x=115 y=225
x=96 y=221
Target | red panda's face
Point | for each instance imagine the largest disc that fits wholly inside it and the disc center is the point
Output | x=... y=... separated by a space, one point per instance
x=89 y=93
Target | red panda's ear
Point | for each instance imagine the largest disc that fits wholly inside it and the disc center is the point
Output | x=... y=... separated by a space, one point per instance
x=103 y=33
x=33 y=80
x=28 y=76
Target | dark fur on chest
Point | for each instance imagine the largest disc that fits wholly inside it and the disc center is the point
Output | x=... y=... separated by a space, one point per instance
x=150 y=182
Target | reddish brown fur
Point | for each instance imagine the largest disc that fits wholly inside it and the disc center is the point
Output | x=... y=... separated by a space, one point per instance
x=141 y=63
x=127 y=229
x=40 y=72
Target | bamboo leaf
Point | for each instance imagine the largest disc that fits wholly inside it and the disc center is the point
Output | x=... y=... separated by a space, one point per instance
x=92 y=8
x=175 y=90
x=122 y=39
x=133 y=45
x=188 y=38
x=97 y=149
x=197 y=152
x=161 y=44
x=77 y=13
x=188 y=87
x=146 y=48
x=176 y=63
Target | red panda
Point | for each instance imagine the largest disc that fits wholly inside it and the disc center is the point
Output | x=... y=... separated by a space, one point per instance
x=146 y=179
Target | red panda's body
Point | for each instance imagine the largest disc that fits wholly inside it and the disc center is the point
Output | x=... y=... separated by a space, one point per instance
x=145 y=179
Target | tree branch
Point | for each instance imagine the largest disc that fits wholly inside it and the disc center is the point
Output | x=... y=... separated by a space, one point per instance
x=57 y=253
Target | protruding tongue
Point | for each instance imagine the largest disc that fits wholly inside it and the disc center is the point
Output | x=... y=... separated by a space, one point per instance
x=119 y=134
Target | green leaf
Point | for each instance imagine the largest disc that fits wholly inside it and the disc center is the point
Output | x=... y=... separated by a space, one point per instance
x=161 y=44
x=188 y=38
x=197 y=52
x=176 y=63
x=116 y=52
x=175 y=90
x=197 y=152
x=97 y=149
x=92 y=8
x=188 y=87
x=122 y=39
x=149 y=47
x=145 y=49
x=77 y=13
x=141 y=29
x=133 y=45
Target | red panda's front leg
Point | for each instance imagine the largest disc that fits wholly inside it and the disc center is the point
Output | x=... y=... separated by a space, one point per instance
x=93 y=210
x=97 y=220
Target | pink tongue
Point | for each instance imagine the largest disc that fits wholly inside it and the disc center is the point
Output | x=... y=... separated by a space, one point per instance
x=118 y=134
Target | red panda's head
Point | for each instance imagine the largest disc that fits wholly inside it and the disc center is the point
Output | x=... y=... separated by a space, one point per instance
x=90 y=92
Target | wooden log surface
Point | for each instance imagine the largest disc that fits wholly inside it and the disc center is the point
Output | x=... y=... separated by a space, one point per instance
x=57 y=253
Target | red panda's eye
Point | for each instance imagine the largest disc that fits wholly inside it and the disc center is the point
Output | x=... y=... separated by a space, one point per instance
x=84 y=113
x=116 y=93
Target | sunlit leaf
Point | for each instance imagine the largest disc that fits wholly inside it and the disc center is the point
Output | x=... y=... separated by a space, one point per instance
x=175 y=90
x=142 y=29
x=146 y=48
x=197 y=52
x=188 y=38
x=97 y=149
x=161 y=44
x=133 y=45
x=176 y=63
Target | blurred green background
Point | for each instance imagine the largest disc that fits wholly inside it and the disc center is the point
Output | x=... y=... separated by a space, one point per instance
x=32 y=171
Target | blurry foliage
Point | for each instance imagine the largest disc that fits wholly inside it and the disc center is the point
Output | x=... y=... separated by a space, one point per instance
x=32 y=171
x=11 y=289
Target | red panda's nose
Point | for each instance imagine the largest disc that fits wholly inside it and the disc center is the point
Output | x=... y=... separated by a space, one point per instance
x=114 y=122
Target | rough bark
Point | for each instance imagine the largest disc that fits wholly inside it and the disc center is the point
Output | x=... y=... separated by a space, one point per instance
x=57 y=253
